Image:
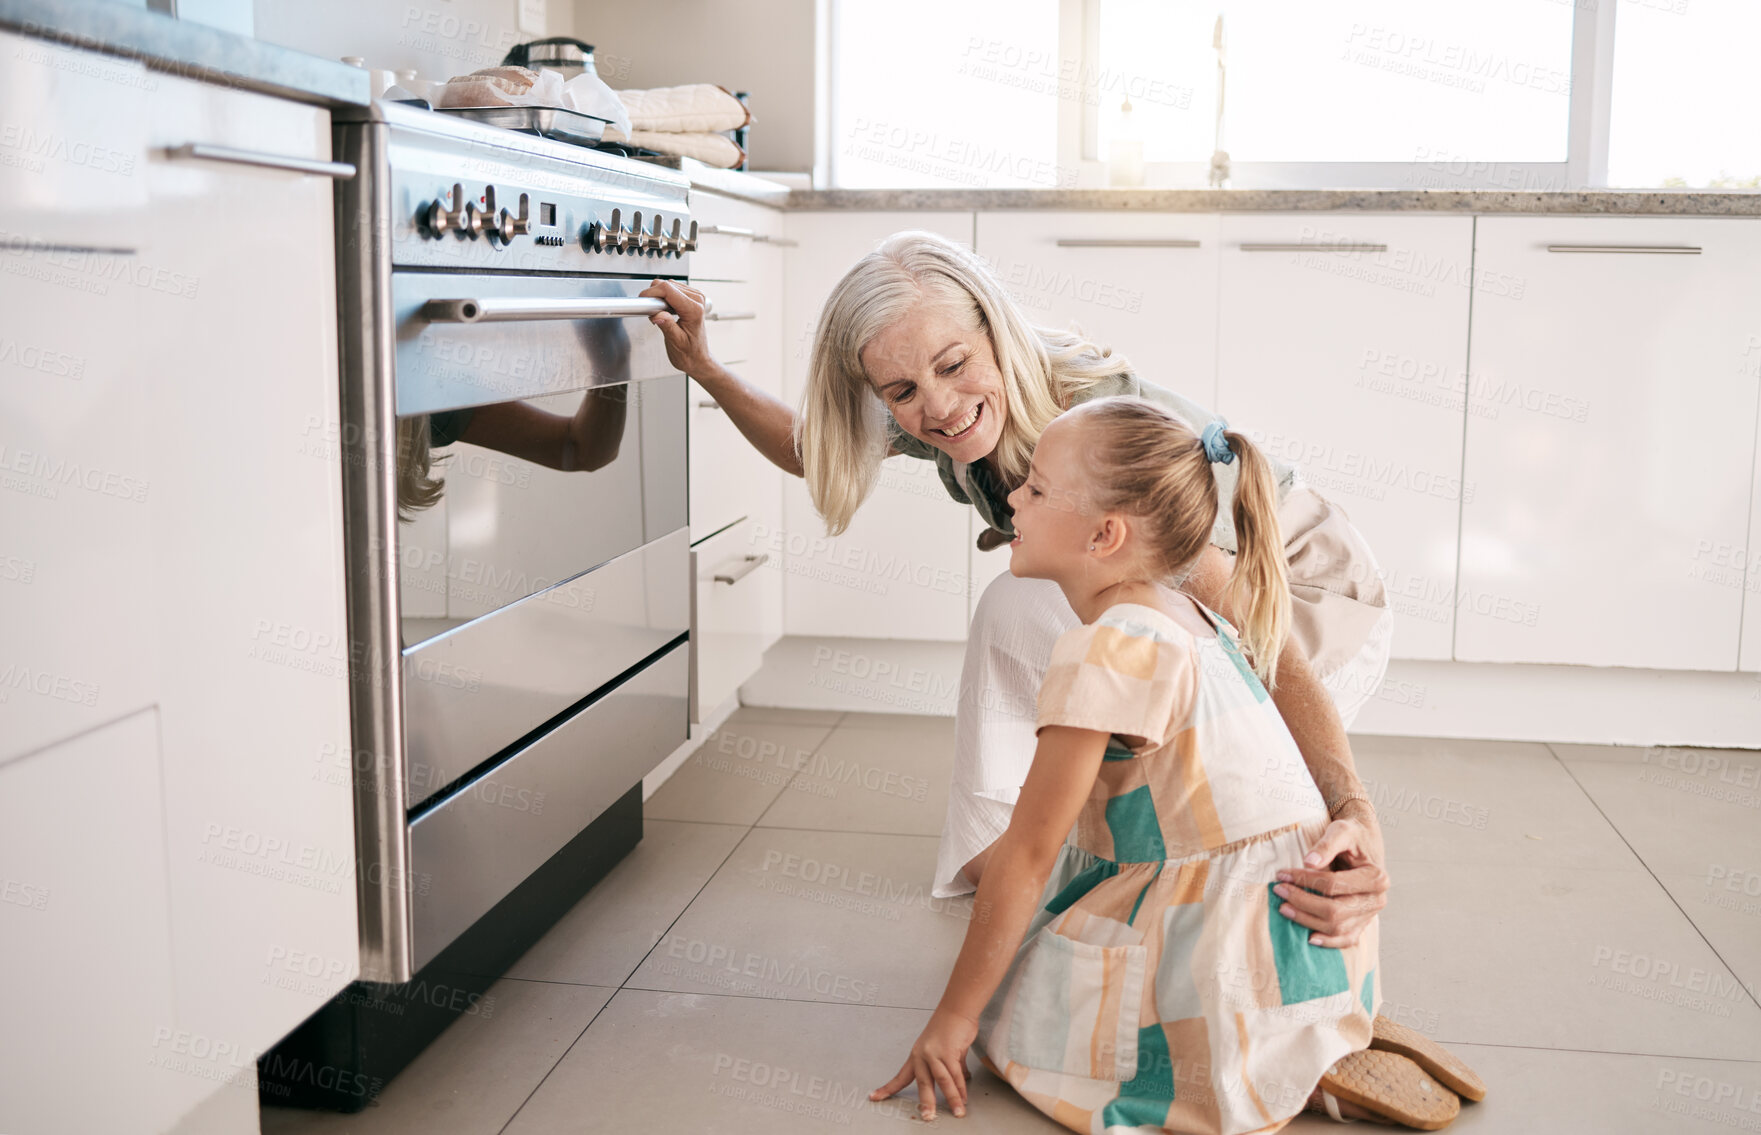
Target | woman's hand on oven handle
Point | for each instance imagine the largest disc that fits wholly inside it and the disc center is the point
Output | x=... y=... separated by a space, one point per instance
x=687 y=340
x=763 y=419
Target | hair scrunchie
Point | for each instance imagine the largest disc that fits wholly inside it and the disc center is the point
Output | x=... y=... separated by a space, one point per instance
x=1216 y=445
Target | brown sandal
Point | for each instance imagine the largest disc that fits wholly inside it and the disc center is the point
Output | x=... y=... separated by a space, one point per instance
x=1393 y=1087
x=1429 y=1055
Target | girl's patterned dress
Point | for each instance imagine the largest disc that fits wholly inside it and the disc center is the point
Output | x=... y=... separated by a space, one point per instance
x=1159 y=988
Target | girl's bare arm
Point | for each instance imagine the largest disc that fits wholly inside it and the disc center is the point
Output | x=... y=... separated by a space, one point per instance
x=1065 y=764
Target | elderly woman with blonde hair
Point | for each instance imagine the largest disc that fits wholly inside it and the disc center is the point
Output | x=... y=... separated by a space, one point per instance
x=920 y=351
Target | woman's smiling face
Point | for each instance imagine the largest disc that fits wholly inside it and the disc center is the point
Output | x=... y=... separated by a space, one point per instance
x=940 y=381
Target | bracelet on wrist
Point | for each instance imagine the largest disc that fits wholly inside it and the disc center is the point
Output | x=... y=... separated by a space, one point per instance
x=1340 y=802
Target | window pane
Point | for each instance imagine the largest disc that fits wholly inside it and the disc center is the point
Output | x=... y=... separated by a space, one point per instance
x=1687 y=104
x=1348 y=80
x=948 y=94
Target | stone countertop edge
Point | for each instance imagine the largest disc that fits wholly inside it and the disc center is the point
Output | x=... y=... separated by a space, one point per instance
x=1587 y=202
x=188 y=49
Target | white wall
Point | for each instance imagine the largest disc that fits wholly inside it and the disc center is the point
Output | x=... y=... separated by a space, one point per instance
x=764 y=47
x=439 y=38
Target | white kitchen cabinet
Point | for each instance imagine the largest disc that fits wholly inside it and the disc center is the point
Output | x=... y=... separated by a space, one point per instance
x=76 y=442
x=1342 y=345
x=736 y=493
x=1750 y=657
x=900 y=570
x=1610 y=442
x=1142 y=284
x=83 y=914
x=241 y=361
x=732 y=611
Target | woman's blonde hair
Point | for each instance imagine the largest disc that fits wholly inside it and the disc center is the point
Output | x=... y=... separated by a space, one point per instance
x=840 y=430
x=1143 y=460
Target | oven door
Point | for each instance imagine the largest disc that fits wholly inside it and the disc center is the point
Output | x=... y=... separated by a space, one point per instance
x=472 y=339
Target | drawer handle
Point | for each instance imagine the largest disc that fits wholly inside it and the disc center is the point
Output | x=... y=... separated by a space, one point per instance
x=749 y=234
x=708 y=404
x=1124 y=242
x=1315 y=246
x=202 y=151
x=1667 y=249
x=748 y=565
x=732 y=315
x=518 y=310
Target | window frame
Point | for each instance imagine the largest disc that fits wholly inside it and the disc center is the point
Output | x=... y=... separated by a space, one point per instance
x=1585 y=166
x=1078 y=125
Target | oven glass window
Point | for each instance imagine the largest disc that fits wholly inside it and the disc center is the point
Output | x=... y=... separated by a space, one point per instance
x=506 y=501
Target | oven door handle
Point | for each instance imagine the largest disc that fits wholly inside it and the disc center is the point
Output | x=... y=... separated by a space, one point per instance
x=517 y=310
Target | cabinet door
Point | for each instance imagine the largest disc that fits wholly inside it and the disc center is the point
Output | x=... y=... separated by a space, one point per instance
x=77 y=489
x=239 y=354
x=83 y=913
x=1610 y=441
x=1341 y=347
x=731 y=610
x=899 y=571
x=1142 y=284
x=1750 y=658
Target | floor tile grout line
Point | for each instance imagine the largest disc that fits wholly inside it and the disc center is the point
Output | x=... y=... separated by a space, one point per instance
x=1661 y=885
x=620 y=988
x=623 y=983
x=1599 y=1051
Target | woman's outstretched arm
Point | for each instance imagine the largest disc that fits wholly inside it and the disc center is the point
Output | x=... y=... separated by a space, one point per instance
x=766 y=421
x=1065 y=765
x=1351 y=895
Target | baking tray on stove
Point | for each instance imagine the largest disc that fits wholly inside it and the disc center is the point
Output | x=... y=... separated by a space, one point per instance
x=546 y=121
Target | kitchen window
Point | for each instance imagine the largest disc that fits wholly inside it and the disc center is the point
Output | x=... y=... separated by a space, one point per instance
x=1493 y=94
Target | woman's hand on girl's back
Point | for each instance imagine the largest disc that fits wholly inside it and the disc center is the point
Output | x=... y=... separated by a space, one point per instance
x=937 y=1060
x=1341 y=887
x=687 y=342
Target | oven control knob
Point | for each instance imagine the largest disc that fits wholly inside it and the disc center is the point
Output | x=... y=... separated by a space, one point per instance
x=604 y=236
x=440 y=221
x=672 y=244
x=630 y=240
x=691 y=240
x=505 y=225
x=654 y=240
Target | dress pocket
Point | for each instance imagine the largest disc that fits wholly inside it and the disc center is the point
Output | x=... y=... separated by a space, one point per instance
x=1076 y=1007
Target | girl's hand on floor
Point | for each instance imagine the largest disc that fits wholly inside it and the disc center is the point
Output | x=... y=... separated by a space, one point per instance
x=937 y=1060
x=1337 y=903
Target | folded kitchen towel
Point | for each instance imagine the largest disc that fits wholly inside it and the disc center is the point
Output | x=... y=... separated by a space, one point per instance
x=710 y=149
x=696 y=108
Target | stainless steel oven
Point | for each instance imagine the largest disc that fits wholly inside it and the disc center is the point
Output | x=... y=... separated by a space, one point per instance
x=515 y=506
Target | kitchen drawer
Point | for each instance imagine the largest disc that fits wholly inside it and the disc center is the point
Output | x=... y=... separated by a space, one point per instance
x=468 y=691
x=728 y=254
x=737 y=600
x=484 y=840
x=735 y=321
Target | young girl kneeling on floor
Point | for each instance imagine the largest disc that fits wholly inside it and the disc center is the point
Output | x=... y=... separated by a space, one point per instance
x=1144 y=975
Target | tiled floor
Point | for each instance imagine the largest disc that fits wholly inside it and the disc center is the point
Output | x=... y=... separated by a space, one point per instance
x=1583 y=924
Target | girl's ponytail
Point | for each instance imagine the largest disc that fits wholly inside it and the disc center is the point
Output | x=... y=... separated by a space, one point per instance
x=1259 y=586
x=1152 y=465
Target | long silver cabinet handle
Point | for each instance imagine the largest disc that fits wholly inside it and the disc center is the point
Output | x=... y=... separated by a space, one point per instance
x=749 y=234
x=1315 y=246
x=748 y=565
x=708 y=404
x=202 y=151
x=1666 y=249
x=509 y=310
x=732 y=315
x=1124 y=242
